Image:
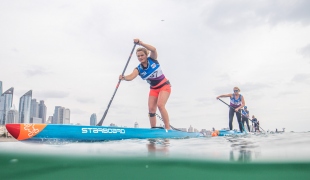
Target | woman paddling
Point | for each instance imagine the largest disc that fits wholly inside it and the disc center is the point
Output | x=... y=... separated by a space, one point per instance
x=255 y=123
x=245 y=117
x=150 y=70
x=236 y=104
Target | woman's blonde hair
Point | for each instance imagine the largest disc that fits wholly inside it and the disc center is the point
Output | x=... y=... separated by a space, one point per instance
x=146 y=52
x=237 y=88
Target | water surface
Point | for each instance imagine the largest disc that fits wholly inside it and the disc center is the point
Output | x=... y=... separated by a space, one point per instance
x=284 y=156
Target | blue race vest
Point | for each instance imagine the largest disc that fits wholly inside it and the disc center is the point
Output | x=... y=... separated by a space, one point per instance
x=152 y=73
x=244 y=112
x=235 y=102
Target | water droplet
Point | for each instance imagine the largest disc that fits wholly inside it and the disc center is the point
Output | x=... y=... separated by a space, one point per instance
x=14 y=161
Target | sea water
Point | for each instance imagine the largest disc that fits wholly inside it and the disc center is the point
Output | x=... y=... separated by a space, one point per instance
x=254 y=156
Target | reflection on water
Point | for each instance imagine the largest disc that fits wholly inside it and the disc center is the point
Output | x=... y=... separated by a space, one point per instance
x=243 y=149
x=158 y=147
x=240 y=148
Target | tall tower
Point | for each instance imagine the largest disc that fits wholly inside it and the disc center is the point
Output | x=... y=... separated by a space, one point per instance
x=66 y=116
x=1 y=90
x=58 y=115
x=34 y=108
x=42 y=111
x=24 y=107
x=93 y=119
x=6 y=100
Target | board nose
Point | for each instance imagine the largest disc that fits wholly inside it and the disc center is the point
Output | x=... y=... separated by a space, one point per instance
x=13 y=129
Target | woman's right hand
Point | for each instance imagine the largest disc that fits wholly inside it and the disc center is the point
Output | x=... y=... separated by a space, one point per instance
x=121 y=77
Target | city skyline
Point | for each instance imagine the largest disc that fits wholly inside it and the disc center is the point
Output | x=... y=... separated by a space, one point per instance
x=61 y=114
x=30 y=111
x=58 y=115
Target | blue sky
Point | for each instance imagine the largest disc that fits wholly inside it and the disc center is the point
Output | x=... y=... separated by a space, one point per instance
x=70 y=53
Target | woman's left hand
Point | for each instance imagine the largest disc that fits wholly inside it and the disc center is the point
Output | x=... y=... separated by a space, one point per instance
x=137 y=41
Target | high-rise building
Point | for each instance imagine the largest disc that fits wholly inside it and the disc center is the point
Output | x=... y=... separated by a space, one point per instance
x=61 y=115
x=35 y=120
x=1 y=90
x=93 y=119
x=136 y=125
x=24 y=107
x=34 y=108
x=42 y=111
x=67 y=116
x=190 y=129
x=12 y=116
x=57 y=115
x=6 y=100
x=37 y=111
x=49 y=120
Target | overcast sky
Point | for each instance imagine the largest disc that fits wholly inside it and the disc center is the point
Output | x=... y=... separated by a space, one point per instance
x=71 y=52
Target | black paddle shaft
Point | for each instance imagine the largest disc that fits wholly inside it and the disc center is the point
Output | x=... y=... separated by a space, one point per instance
x=240 y=113
x=119 y=81
x=169 y=124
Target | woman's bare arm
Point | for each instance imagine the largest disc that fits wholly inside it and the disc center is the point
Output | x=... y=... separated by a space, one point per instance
x=224 y=95
x=151 y=48
x=131 y=76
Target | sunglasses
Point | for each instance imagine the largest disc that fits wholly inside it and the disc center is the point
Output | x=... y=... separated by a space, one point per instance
x=236 y=90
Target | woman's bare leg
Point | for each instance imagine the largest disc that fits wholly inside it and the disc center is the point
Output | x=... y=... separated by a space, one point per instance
x=152 y=109
x=161 y=103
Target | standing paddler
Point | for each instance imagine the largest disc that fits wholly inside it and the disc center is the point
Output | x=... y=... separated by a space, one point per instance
x=150 y=70
x=245 y=117
x=255 y=123
x=236 y=104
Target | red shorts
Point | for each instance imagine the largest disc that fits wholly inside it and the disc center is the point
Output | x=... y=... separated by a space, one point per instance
x=155 y=92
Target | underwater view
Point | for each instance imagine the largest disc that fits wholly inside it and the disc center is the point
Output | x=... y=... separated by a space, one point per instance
x=255 y=156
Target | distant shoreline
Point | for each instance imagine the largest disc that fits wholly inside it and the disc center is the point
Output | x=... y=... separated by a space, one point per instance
x=9 y=139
